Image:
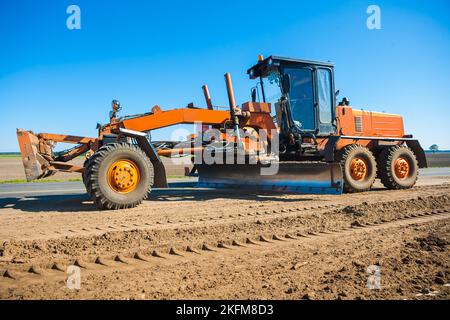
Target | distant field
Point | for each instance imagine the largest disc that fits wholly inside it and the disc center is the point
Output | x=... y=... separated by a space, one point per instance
x=9 y=155
x=438 y=159
x=17 y=181
x=4 y=155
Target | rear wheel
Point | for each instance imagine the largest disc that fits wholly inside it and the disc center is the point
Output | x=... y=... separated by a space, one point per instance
x=83 y=175
x=398 y=167
x=119 y=175
x=358 y=167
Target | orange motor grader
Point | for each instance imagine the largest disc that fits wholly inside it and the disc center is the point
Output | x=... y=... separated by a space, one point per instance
x=316 y=144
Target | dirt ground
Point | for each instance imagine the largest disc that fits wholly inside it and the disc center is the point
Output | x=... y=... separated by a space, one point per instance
x=214 y=245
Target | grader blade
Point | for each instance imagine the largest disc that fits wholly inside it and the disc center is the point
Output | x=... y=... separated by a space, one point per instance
x=35 y=165
x=291 y=177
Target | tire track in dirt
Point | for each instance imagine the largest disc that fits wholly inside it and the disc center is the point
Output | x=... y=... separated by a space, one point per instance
x=55 y=271
x=162 y=244
x=316 y=221
x=139 y=241
x=173 y=215
x=310 y=219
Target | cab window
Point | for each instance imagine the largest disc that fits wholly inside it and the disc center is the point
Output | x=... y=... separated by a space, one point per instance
x=324 y=95
x=301 y=97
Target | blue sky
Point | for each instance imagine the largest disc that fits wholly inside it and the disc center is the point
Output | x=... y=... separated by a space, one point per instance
x=144 y=53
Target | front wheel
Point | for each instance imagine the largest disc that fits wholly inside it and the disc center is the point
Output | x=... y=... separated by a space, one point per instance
x=398 y=168
x=119 y=175
x=358 y=167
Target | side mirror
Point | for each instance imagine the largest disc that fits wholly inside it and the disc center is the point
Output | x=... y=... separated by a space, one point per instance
x=254 y=95
x=337 y=93
x=286 y=83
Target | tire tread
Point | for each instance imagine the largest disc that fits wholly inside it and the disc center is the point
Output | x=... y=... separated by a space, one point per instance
x=91 y=172
x=384 y=163
x=342 y=158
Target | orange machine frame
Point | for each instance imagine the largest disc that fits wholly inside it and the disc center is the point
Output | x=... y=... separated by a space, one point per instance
x=353 y=126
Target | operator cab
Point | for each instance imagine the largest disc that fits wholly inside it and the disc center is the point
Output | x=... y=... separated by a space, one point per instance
x=302 y=92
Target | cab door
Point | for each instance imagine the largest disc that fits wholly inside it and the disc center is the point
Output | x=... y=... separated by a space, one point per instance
x=324 y=100
x=301 y=97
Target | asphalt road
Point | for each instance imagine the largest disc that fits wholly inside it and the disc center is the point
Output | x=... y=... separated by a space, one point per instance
x=63 y=188
x=73 y=188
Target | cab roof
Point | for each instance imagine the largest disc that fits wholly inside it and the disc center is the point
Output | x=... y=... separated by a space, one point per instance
x=264 y=66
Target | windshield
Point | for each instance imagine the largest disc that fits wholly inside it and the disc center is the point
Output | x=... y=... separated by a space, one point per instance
x=301 y=97
x=272 y=90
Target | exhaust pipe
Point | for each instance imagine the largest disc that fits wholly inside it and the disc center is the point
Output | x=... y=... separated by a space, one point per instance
x=207 y=97
x=232 y=102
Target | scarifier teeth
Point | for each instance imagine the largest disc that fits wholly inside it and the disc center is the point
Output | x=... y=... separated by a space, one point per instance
x=275 y=237
x=174 y=252
x=57 y=267
x=205 y=247
x=302 y=235
x=119 y=258
x=9 y=274
x=250 y=241
x=263 y=239
x=237 y=244
x=34 y=270
x=100 y=261
x=138 y=256
x=157 y=254
x=189 y=249
x=80 y=263
x=288 y=236
x=222 y=245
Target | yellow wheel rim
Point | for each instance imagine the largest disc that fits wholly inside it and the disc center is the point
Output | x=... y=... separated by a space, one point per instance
x=123 y=176
x=401 y=168
x=358 y=169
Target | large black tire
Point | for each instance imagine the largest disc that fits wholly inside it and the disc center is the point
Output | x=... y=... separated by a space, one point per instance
x=97 y=180
x=388 y=175
x=357 y=152
x=83 y=175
